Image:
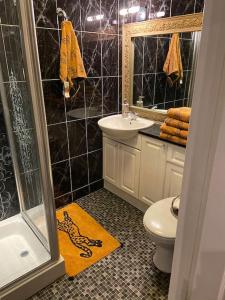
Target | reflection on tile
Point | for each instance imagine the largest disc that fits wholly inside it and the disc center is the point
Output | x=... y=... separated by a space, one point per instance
x=75 y=105
x=109 y=8
x=61 y=178
x=79 y=170
x=110 y=53
x=45 y=13
x=81 y=193
x=138 y=55
x=96 y=186
x=8 y=12
x=95 y=165
x=93 y=97
x=48 y=46
x=13 y=52
x=77 y=137
x=94 y=134
x=182 y=7
x=160 y=6
x=150 y=50
x=199 y=6
x=163 y=47
x=92 y=54
x=160 y=85
x=148 y=89
x=54 y=101
x=90 y=8
x=57 y=136
x=110 y=95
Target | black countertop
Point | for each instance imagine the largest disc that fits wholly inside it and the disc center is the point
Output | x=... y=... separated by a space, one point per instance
x=154 y=131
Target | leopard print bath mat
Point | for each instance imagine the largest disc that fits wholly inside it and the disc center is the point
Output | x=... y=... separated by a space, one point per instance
x=82 y=241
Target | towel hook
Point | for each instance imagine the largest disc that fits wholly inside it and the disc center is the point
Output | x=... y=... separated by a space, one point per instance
x=61 y=12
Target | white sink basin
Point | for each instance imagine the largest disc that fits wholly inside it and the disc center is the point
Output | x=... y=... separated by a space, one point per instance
x=118 y=127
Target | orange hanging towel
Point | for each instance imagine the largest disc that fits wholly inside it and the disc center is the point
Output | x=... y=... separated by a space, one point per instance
x=173 y=64
x=71 y=63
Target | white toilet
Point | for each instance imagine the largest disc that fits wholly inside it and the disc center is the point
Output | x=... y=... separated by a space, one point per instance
x=161 y=224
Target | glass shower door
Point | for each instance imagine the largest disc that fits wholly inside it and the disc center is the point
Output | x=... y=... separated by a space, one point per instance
x=27 y=214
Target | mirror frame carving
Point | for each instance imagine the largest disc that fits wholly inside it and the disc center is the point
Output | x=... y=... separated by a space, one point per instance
x=184 y=23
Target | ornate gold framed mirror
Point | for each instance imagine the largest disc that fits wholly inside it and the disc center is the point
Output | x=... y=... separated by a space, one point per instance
x=156 y=31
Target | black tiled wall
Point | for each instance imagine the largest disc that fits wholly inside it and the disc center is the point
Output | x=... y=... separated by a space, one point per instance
x=74 y=137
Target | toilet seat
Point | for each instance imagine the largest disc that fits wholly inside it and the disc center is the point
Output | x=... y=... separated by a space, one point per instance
x=159 y=219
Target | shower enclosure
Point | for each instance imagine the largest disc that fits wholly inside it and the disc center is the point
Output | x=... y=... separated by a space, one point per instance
x=29 y=256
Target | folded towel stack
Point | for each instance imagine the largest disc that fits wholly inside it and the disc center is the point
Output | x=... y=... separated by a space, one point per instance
x=176 y=126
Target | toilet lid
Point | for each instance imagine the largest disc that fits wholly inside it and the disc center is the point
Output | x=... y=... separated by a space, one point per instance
x=159 y=219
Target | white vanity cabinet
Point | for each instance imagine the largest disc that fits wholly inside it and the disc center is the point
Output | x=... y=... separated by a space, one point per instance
x=144 y=171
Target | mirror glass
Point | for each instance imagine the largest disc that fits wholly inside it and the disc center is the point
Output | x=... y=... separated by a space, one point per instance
x=149 y=79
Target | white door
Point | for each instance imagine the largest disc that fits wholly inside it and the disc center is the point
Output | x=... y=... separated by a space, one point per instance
x=173 y=180
x=110 y=161
x=153 y=163
x=129 y=170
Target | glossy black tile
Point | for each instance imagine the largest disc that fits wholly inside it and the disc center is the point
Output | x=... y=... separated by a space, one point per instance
x=148 y=89
x=81 y=193
x=79 y=171
x=182 y=7
x=138 y=55
x=75 y=105
x=2 y=120
x=45 y=13
x=110 y=53
x=186 y=50
x=54 y=101
x=137 y=87
x=13 y=53
x=170 y=92
x=92 y=54
x=4 y=69
x=110 y=95
x=96 y=186
x=63 y=200
x=8 y=12
x=6 y=165
x=9 y=198
x=90 y=15
x=180 y=91
x=77 y=137
x=199 y=6
x=150 y=51
x=58 y=143
x=48 y=46
x=94 y=134
x=160 y=6
x=160 y=85
x=169 y=105
x=61 y=178
x=162 y=51
x=95 y=165
x=109 y=10
x=93 y=97
x=72 y=9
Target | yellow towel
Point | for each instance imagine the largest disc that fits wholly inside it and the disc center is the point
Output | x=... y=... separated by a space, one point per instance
x=173 y=64
x=173 y=138
x=177 y=124
x=71 y=63
x=174 y=131
x=180 y=113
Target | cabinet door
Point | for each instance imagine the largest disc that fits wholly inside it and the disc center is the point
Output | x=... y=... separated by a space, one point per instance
x=110 y=161
x=153 y=164
x=173 y=180
x=129 y=170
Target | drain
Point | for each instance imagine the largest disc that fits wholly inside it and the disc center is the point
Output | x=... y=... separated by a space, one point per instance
x=24 y=253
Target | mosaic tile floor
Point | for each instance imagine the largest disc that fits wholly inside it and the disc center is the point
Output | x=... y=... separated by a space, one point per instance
x=127 y=273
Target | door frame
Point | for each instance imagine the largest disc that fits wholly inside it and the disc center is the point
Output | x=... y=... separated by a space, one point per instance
x=198 y=271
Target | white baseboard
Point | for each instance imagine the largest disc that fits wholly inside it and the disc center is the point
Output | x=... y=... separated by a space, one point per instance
x=133 y=201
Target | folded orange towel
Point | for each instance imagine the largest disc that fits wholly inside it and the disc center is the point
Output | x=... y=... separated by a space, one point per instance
x=174 y=131
x=71 y=63
x=180 y=113
x=177 y=124
x=173 y=138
